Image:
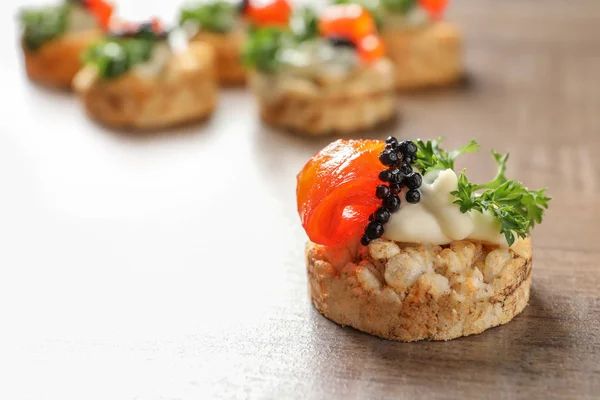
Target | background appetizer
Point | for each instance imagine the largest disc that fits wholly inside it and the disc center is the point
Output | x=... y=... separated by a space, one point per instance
x=223 y=25
x=135 y=79
x=426 y=50
x=405 y=248
x=55 y=36
x=325 y=74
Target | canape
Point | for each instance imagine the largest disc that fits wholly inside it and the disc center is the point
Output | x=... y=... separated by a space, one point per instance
x=54 y=38
x=327 y=74
x=223 y=25
x=404 y=248
x=136 y=79
x=425 y=49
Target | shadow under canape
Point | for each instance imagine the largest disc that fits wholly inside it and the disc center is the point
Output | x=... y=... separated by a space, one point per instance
x=506 y=357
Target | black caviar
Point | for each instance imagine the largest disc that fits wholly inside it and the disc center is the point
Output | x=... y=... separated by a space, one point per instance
x=242 y=6
x=339 y=41
x=144 y=30
x=397 y=157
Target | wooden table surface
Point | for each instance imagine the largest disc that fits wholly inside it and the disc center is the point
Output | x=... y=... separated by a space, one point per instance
x=130 y=270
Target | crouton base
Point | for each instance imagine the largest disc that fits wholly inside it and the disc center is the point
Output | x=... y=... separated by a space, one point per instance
x=421 y=292
x=316 y=107
x=56 y=62
x=425 y=57
x=186 y=91
x=227 y=47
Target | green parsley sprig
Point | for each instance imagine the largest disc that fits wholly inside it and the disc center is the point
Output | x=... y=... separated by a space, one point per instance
x=430 y=156
x=43 y=24
x=264 y=44
x=218 y=16
x=113 y=57
x=516 y=208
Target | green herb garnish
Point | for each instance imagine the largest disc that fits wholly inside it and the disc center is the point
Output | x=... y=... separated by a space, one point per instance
x=121 y=50
x=515 y=207
x=430 y=156
x=113 y=57
x=304 y=24
x=399 y=6
x=43 y=24
x=264 y=44
x=218 y=16
x=261 y=49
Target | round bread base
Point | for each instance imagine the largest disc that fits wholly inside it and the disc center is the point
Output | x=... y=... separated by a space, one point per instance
x=374 y=130
x=324 y=116
x=186 y=91
x=352 y=296
x=56 y=62
x=427 y=57
x=227 y=47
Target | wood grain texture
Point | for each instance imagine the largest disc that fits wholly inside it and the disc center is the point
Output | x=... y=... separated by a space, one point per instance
x=534 y=91
x=149 y=268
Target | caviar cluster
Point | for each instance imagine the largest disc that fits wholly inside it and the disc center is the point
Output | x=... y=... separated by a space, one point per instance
x=150 y=30
x=397 y=157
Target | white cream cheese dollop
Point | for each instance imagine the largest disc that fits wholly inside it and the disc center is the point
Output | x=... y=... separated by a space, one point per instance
x=437 y=220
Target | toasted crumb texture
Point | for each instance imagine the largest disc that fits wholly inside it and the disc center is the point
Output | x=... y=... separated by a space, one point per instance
x=326 y=106
x=185 y=91
x=412 y=292
x=229 y=68
x=58 y=61
x=425 y=57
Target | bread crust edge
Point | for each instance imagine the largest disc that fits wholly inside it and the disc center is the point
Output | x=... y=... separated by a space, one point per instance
x=337 y=296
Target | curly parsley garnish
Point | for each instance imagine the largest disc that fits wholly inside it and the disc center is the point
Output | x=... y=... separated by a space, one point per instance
x=218 y=16
x=43 y=24
x=430 y=156
x=515 y=207
x=122 y=49
x=114 y=57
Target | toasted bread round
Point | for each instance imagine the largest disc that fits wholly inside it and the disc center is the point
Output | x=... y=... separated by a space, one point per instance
x=361 y=101
x=426 y=56
x=227 y=46
x=184 y=92
x=56 y=62
x=413 y=292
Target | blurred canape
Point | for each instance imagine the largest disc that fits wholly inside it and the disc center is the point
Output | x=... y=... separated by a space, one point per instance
x=426 y=50
x=55 y=36
x=223 y=24
x=324 y=74
x=138 y=78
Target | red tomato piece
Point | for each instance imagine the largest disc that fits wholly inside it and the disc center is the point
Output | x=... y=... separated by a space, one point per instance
x=102 y=11
x=371 y=49
x=336 y=190
x=157 y=26
x=434 y=7
x=349 y=21
x=268 y=12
